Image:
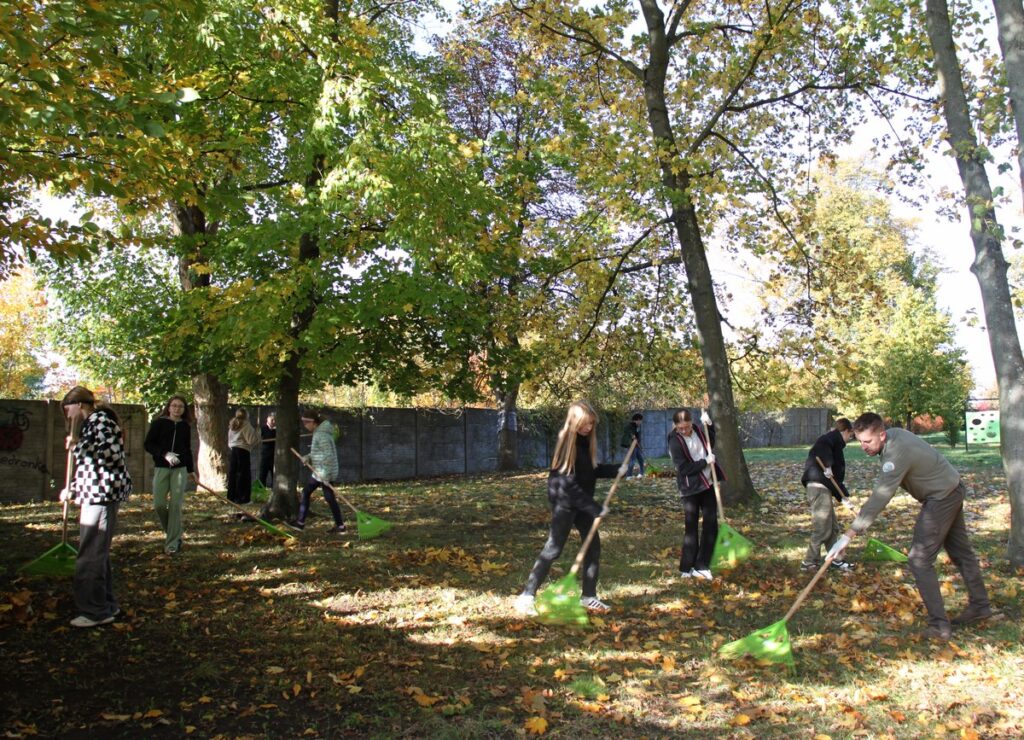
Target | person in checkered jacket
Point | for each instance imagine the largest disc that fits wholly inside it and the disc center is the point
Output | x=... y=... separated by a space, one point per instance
x=99 y=484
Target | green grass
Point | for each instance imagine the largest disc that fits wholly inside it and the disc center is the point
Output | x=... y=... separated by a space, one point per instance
x=412 y=634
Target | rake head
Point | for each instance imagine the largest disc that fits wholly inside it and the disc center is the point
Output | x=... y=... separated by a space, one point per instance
x=731 y=548
x=57 y=562
x=770 y=644
x=560 y=603
x=369 y=527
x=875 y=550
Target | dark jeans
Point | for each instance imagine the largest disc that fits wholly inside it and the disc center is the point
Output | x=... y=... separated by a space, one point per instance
x=267 y=468
x=332 y=501
x=563 y=519
x=697 y=549
x=940 y=525
x=240 y=476
x=637 y=457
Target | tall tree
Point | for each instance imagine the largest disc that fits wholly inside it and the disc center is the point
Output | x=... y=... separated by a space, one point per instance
x=1010 y=22
x=990 y=266
x=727 y=90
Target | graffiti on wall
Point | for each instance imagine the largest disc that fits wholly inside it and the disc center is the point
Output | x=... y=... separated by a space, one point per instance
x=14 y=422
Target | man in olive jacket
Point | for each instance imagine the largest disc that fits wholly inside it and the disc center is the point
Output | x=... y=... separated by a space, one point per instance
x=912 y=463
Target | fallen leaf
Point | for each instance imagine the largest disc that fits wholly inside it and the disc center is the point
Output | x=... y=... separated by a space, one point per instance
x=536 y=726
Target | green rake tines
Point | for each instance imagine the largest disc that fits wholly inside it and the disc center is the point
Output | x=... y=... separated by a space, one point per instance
x=559 y=603
x=57 y=562
x=369 y=527
x=770 y=644
x=731 y=548
x=878 y=552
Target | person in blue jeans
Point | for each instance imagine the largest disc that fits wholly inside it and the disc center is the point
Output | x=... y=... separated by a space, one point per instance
x=632 y=432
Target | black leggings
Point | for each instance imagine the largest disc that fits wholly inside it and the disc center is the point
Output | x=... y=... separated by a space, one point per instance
x=332 y=501
x=695 y=506
x=240 y=476
x=563 y=519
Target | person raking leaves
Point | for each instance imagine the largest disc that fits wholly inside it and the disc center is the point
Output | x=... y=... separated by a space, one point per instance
x=910 y=462
x=571 y=483
x=824 y=473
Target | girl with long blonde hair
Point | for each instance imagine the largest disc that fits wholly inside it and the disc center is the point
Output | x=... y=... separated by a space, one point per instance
x=571 y=482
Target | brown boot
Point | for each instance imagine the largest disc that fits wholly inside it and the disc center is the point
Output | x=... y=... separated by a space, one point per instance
x=971 y=614
x=938 y=634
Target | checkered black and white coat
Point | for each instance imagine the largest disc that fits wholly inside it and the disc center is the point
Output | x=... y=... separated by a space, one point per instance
x=101 y=473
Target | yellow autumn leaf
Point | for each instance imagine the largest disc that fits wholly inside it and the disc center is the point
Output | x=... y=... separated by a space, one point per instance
x=296 y=689
x=536 y=726
x=275 y=669
x=153 y=713
x=426 y=701
x=740 y=720
x=668 y=663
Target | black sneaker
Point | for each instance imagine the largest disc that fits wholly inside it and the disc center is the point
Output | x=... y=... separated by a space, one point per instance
x=338 y=529
x=809 y=566
x=297 y=526
x=842 y=566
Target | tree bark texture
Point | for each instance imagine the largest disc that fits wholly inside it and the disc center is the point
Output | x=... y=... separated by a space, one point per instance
x=508 y=429
x=698 y=273
x=990 y=266
x=210 y=395
x=1010 y=19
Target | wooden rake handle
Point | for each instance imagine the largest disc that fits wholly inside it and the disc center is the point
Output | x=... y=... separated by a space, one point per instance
x=835 y=485
x=808 y=587
x=69 y=469
x=224 y=498
x=714 y=480
x=597 y=522
x=326 y=483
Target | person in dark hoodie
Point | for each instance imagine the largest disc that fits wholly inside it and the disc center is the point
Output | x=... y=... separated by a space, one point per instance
x=822 y=485
x=691 y=451
x=571 y=482
x=169 y=442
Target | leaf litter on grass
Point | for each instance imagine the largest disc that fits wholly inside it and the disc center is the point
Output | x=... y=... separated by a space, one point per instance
x=326 y=640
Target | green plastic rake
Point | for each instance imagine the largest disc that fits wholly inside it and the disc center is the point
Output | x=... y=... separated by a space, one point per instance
x=878 y=552
x=367 y=526
x=731 y=548
x=771 y=644
x=559 y=603
x=59 y=560
x=249 y=517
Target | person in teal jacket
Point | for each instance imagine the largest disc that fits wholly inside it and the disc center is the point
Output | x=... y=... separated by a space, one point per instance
x=323 y=458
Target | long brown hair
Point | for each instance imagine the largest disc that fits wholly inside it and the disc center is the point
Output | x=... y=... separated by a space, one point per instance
x=81 y=394
x=564 y=459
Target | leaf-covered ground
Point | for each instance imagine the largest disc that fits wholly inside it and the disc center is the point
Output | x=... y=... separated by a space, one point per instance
x=412 y=634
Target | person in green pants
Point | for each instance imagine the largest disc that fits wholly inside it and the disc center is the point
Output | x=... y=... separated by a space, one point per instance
x=169 y=441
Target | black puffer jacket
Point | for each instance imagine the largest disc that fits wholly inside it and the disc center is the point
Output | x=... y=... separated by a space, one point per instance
x=576 y=490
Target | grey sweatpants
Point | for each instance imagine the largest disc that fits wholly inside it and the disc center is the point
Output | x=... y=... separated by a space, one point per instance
x=824 y=526
x=93 y=584
x=941 y=525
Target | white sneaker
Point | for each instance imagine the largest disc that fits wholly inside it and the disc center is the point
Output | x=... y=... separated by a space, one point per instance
x=594 y=604
x=705 y=574
x=84 y=621
x=686 y=573
x=524 y=605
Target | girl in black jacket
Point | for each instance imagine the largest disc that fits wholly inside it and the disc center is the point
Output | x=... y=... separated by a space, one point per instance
x=169 y=441
x=691 y=453
x=571 y=482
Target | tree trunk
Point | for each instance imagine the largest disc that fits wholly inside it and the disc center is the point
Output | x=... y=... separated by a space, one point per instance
x=508 y=434
x=283 y=503
x=1010 y=18
x=211 y=402
x=728 y=450
x=990 y=267
x=211 y=396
